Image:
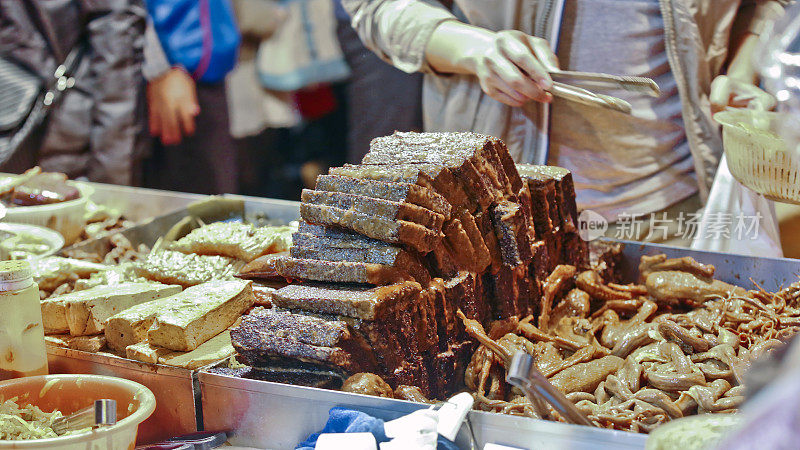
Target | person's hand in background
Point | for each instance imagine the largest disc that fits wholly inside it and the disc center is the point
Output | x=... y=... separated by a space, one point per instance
x=172 y=105
x=739 y=88
x=727 y=91
x=511 y=66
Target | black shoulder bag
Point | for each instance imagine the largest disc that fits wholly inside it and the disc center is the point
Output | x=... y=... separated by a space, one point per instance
x=26 y=99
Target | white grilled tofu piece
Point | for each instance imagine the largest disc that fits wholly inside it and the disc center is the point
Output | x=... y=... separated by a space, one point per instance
x=87 y=311
x=242 y=241
x=215 y=349
x=200 y=313
x=173 y=267
x=130 y=326
x=146 y=353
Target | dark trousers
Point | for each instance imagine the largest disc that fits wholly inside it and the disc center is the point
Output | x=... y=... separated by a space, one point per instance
x=205 y=163
x=380 y=98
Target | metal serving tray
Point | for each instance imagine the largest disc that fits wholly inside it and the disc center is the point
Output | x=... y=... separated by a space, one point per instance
x=278 y=210
x=771 y=274
x=175 y=388
x=139 y=204
x=273 y=415
x=270 y=415
x=241 y=208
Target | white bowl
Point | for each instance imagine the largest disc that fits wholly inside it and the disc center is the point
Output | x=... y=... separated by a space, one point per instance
x=68 y=218
x=69 y=393
x=53 y=239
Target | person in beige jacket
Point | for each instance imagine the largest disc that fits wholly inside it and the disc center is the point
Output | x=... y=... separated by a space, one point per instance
x=487 y=66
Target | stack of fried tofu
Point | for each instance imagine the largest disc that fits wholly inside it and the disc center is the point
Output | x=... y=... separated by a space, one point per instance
x=150 y=322
x=174 y=307
x=390 y=249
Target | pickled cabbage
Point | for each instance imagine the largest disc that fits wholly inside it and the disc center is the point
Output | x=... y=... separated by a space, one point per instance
x=28 y=422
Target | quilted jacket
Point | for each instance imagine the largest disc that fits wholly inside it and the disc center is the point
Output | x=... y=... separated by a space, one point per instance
x=96 y=131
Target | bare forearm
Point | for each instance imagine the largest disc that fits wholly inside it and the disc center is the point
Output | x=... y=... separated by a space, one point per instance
x=741 y=66
x=752 y=19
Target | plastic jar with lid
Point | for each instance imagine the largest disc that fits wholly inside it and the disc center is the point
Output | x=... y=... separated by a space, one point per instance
x=22 y=345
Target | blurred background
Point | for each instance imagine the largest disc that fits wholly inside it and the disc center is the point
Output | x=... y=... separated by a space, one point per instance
x=304 y=94
x=252 y=97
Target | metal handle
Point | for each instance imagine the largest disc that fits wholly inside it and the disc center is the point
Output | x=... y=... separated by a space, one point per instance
x=642 y=85
x=102 y=412
x=523 y=374
x=586 y=97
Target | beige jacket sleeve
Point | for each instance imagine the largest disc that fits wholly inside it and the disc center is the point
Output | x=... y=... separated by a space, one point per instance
x=397 y=30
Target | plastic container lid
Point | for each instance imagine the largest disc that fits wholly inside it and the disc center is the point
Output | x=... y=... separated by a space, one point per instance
x=15 y=275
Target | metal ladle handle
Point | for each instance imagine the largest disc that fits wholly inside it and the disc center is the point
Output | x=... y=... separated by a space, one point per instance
x=523 y=374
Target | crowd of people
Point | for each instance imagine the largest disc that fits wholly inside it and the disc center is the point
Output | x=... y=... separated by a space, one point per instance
x=260 y=96
x=141 y=112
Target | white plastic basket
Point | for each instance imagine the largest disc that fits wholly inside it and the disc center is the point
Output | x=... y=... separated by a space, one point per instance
x=68 y=218
x=758 y=157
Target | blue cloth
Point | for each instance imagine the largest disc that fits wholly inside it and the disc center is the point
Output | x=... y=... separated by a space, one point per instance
x=199 y=35
x=342 y=420
x=341 y=14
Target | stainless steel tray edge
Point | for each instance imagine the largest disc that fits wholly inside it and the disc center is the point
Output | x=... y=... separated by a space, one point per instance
x=277 y=416
x=770 y=273
x=277 y=209
x=139 y=204
x=149 y=230
x=173 y=387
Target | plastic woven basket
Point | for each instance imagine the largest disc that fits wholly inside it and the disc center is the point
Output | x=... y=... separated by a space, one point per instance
x=758 y=157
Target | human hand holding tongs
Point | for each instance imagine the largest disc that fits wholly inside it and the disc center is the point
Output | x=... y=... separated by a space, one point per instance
x=515 y=68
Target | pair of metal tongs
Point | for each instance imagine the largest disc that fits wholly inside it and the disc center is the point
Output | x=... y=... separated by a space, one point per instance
x=101 y=413
x=523 y=374
x=573 y=86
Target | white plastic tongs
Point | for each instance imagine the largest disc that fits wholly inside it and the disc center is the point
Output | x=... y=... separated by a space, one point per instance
x=574 y=86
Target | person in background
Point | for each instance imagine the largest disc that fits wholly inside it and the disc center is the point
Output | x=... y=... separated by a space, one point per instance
x=288 y=131
x=96 y=131
x=193 y=150
x=380 y=98
x=489 y=65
